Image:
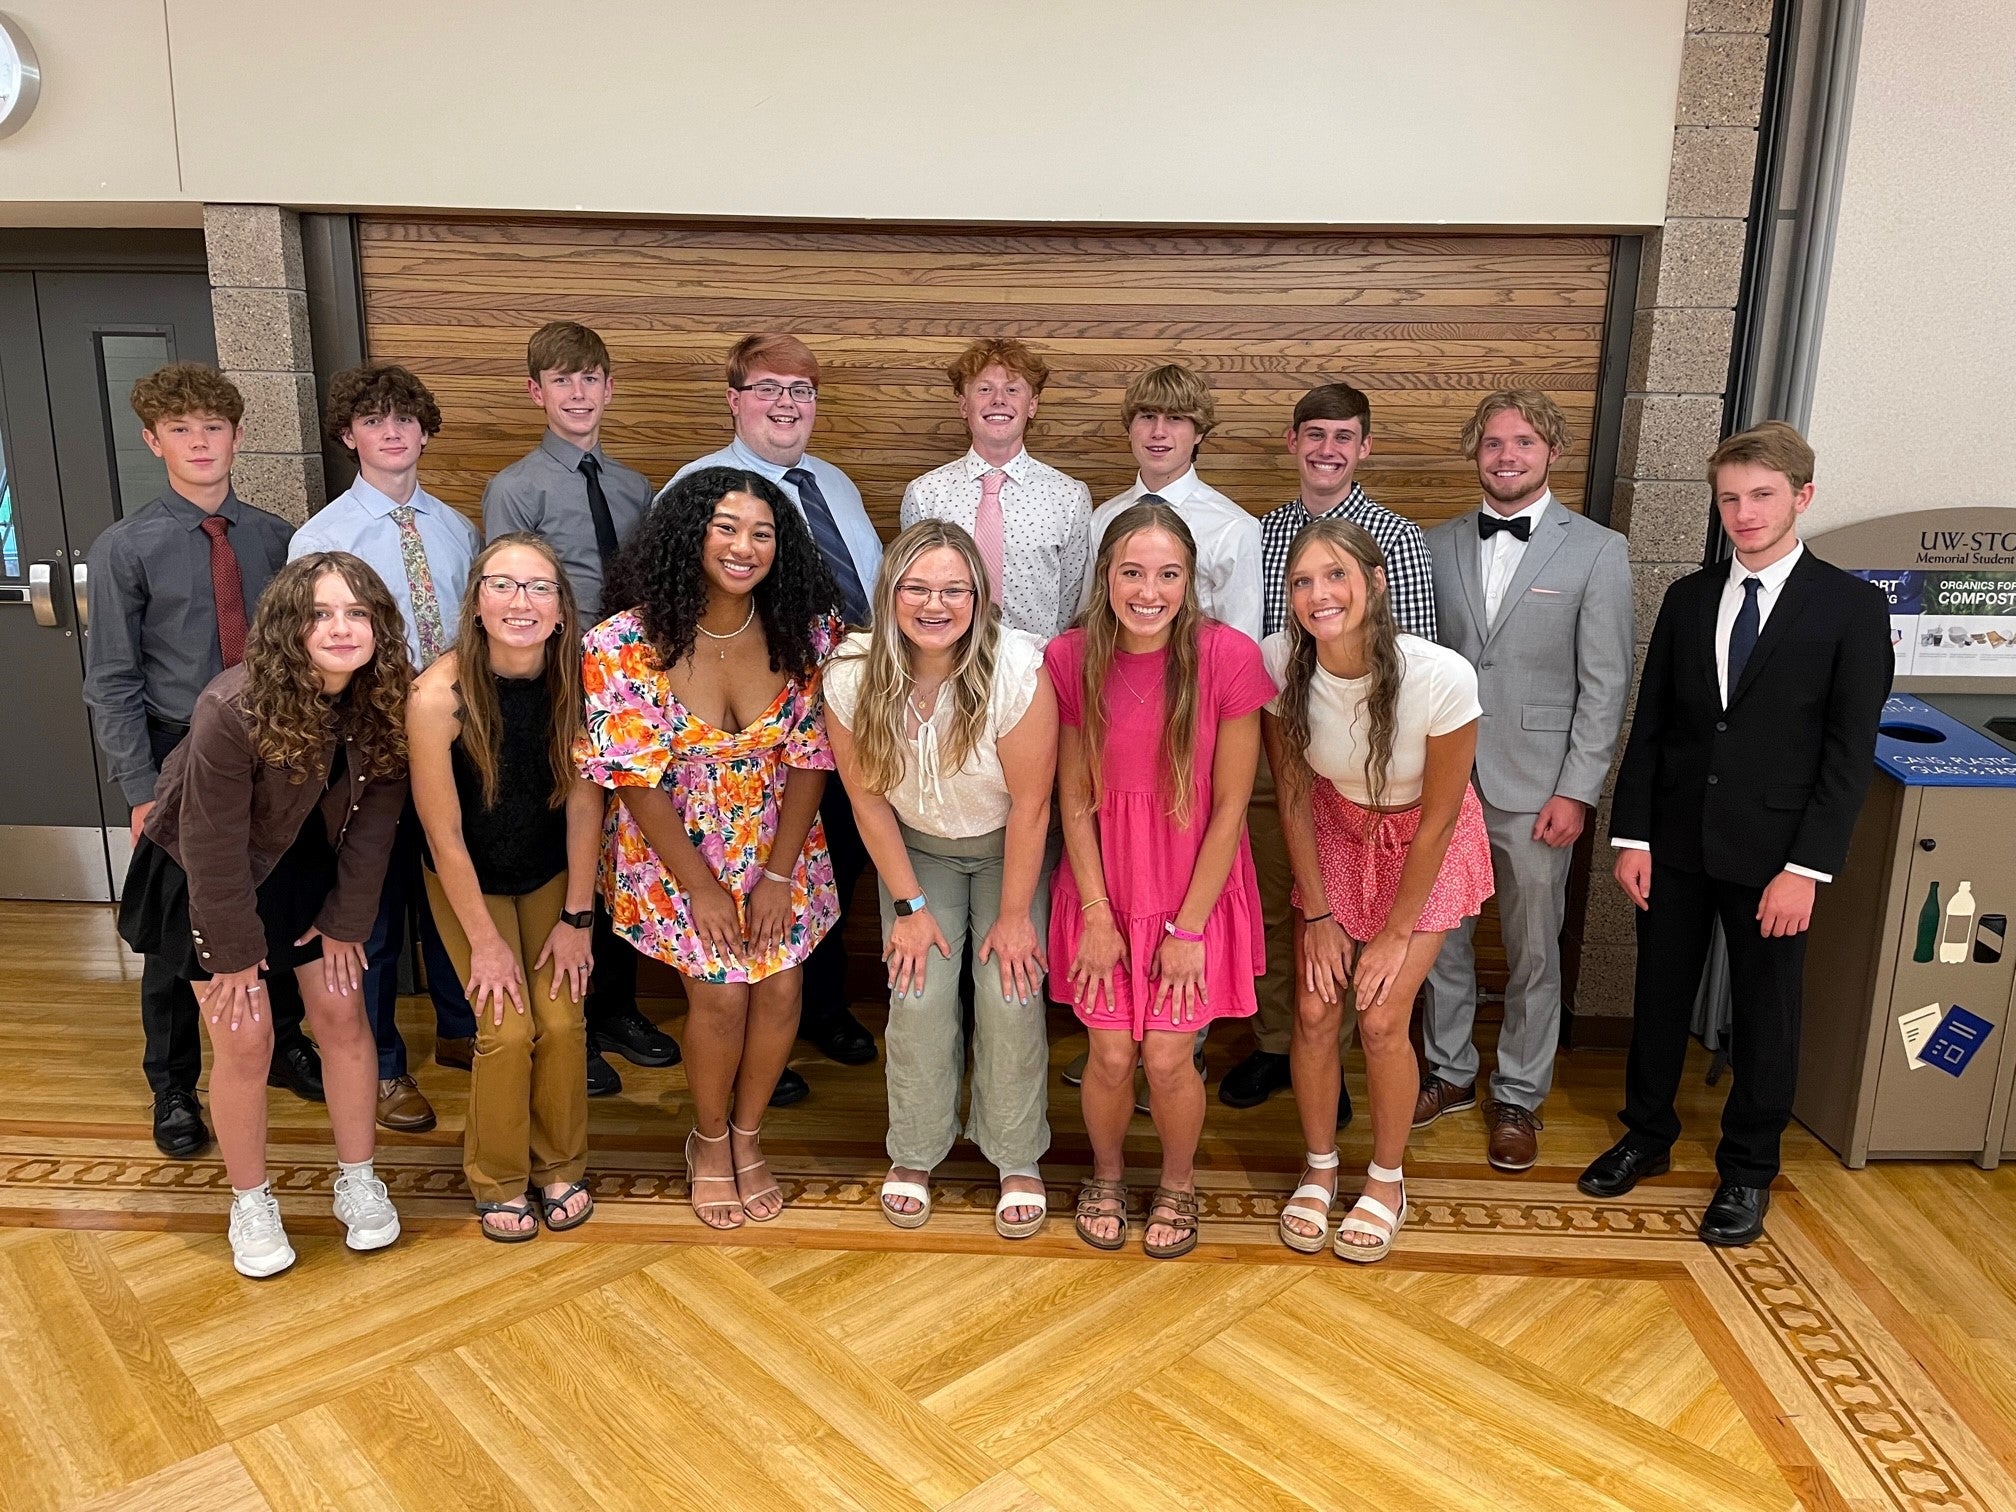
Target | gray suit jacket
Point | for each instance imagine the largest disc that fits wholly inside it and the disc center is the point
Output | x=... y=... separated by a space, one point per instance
x=1554 y=672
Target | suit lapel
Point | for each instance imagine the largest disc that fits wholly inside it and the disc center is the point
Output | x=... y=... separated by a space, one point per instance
x=1793 y=599
x=1469 y=573
x=1547 y=539
x=1706 y=611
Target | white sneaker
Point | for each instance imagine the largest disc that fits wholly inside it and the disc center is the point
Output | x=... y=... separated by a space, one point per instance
x=363 y=1207
x=259 y=1244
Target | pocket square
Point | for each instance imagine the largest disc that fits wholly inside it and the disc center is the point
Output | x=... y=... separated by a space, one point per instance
x=1553 y=592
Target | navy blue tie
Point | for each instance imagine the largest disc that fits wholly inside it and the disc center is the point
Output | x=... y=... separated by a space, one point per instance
x=1743 y=634
x=819 y=518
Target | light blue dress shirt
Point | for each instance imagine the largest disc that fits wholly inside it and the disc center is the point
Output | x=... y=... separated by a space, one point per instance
x=842 y=497
x=360 y=522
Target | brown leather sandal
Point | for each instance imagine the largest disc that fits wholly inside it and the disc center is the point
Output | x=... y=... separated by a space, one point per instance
x=1101 y=1199
x=1182 y=1216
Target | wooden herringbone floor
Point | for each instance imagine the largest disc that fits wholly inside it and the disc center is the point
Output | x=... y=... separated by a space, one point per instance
x=1524 y=1347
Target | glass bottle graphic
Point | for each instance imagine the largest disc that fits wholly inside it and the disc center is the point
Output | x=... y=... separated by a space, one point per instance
x=1959 y=926
x=1928 y=926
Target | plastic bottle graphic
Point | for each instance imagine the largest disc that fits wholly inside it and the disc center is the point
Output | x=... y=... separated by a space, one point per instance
x=1928 y=926
x=1959 y=927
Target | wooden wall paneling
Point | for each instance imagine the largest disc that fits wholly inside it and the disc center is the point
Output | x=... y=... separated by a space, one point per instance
x=1424 y=324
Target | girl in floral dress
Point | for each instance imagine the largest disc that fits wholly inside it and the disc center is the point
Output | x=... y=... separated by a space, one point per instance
x=703 y=714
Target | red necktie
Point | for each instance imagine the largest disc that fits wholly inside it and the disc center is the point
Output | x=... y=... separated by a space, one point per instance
x=228 y=588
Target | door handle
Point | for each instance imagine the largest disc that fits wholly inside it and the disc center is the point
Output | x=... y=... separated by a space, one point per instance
x=40 y=595
x=80 y=594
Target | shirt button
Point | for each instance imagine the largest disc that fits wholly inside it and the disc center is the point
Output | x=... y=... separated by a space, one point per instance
x=206 y=955
x=1713 y=780
x=1720 y=726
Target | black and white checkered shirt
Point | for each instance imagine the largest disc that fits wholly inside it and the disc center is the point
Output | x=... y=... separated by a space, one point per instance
x=1410 y=572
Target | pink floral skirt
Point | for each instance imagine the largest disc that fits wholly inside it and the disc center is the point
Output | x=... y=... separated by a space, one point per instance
x=1361 y=853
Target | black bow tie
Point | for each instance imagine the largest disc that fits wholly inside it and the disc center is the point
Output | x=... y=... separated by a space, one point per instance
x=1489 y=524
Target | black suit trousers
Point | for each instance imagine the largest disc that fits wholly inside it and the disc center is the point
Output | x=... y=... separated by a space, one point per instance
x=825 y=995
x=1764 y=979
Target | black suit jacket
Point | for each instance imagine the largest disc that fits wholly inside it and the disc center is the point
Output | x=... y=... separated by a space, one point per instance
x=1778 y=777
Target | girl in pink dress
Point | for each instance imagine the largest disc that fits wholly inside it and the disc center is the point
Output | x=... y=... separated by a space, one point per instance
x=1155 y=910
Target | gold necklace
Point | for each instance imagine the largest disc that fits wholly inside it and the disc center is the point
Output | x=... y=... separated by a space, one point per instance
x=711 y=635
x=1121 y=672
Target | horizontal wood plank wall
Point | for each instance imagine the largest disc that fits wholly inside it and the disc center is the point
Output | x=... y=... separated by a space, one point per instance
x=1424 y=324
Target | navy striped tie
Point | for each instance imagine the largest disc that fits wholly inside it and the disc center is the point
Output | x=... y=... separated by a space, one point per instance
x=819 y=519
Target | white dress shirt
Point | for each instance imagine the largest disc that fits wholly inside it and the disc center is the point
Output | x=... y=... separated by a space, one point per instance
x=1773 y=580
x=864 y=546
x=1044 y=514
x=360 y=522
x=1228 y=548
x=1499 y=557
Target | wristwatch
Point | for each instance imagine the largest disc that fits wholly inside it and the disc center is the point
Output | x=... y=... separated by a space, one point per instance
x=582 y=920
x=908 y=906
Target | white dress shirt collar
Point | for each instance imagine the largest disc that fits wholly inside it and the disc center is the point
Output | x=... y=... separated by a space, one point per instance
x=1531 y=512
x=1772 y=577
x=1178 y=491
x=1017 y=466
x=379 y=505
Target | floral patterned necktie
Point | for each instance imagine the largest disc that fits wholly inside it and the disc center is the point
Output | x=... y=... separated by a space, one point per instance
x=420 y=584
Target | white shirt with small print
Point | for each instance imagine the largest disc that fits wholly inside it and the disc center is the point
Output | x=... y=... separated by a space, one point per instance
x=1044 y=518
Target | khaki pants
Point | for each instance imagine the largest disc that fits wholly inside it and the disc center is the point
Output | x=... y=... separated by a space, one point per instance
x=1276 y=990
x=926 y=1042
x=528 y=1090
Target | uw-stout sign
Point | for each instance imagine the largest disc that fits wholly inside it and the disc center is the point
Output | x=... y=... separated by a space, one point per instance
x=1950 y=577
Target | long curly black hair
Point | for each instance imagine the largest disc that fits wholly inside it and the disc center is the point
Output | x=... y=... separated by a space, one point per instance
x=660 y=573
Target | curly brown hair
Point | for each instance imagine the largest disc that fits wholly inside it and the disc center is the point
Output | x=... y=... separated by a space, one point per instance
x=377 y=388
x=291 y=716
x=186 y=388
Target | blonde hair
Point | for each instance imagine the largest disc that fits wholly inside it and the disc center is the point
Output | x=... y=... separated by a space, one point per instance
x=1175 y=390
x=1384 y=661
x=1773 y=444
x=1101 y=624
x=477 y=709
x=879 y=708
x=1540 y=412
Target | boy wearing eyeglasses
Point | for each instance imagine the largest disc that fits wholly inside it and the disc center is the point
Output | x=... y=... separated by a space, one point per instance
x=773 y=396
x=586 y=505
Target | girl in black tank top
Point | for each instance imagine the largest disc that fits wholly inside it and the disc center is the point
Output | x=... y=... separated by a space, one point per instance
x=512 y=837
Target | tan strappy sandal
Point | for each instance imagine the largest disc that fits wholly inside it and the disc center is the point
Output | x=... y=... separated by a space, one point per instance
x=773 y=1187
x=1101 y=1199
x=1182 y=1217
x=694 y=1180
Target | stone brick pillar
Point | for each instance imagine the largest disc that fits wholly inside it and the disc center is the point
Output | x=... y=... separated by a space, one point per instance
x=259 y=300
x=1688 y=279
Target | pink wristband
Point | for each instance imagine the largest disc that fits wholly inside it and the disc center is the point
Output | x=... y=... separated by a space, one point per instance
x=1186 y=936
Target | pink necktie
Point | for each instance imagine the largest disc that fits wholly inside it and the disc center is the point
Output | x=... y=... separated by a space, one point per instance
x=988 y=533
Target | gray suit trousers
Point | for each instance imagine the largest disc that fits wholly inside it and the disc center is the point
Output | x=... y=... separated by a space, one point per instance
x=1532 y=883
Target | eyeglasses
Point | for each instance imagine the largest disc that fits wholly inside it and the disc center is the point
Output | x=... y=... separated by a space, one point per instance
x=769 y=393
x=916 y=595
x=539 y=589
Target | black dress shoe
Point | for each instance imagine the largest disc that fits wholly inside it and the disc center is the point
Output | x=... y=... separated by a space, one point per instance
x=178 y=1124
x=299 y=1069
x=840 y=1036
x=791 y=1088
x=1255 y=1079
x=602 y=1078
x=1343 y=1103
x=1736 y=1216
x=635 y=1038
x=1622 y=1167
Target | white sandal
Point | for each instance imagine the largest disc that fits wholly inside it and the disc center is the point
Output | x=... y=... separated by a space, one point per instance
x=1297 y=1207
x=1039 y=1199
x=1365 y=1254
x=917 y=1191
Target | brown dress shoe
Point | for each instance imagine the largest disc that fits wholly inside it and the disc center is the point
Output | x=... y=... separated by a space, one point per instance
x=456 y=1054
x=1514 y=1143
x=402 y=1106
x=1438 y=1097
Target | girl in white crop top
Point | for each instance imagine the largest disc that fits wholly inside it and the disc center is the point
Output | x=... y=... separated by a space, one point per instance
x=944 y=728
x=1371 y=740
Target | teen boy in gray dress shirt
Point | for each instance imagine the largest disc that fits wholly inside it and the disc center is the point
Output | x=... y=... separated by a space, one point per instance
x=587 y=505
x=157 y=639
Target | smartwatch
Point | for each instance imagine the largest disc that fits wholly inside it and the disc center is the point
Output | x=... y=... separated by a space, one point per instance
x=908 y=906
x=582 y=920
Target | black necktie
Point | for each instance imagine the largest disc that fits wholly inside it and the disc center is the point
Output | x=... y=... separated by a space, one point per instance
x=1743 y=634
x=598 y=507
x=1151 y=498
x=819 y=518
x=1489 y=524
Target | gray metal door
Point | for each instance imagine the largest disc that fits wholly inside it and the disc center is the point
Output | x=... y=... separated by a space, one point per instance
x=71 y=462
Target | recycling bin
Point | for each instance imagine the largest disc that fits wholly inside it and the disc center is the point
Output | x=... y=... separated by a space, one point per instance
x=1910 y=967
